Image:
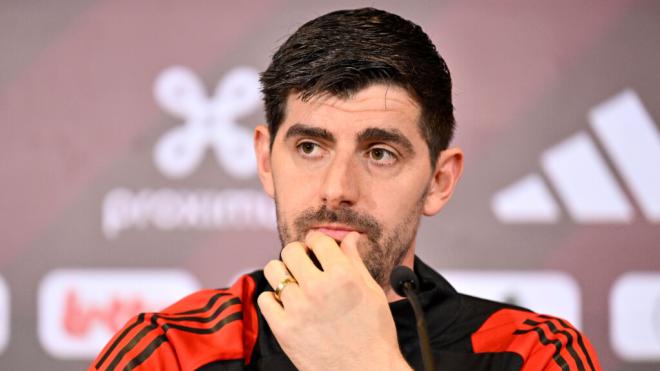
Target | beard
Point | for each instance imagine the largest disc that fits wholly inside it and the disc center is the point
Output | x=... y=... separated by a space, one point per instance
x=382 y=250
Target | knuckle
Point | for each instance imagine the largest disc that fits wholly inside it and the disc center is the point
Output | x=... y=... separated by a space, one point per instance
x=290 y=249
x=271 y=264
x=271 y=267
x=285 y=252
x=262 y=298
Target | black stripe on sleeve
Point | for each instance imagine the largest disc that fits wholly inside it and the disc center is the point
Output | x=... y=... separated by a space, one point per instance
x=569 y=342
x=140 y=319
x=145 y=353
x=119 y=338
x=154 y=325
x=230 y=318
x=208 y=305
x=561 y=362
x=134 y=341
x=148 y=351
x=210 y=318
x=580 y=341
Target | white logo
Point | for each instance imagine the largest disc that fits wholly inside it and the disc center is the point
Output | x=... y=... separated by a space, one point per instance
x=581 y=176
x=208 y=122
x=169 y=209
x=635 y=317
x=79 y=310
x=545 y=292
x=4 y=315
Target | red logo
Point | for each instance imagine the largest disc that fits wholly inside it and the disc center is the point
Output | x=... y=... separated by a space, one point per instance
x=80 y=309
x=78 y=318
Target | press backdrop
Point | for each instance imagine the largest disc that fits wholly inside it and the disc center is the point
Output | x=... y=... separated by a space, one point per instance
x=127 y=176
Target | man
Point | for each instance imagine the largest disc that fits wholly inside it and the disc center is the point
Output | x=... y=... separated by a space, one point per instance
x=360 y=117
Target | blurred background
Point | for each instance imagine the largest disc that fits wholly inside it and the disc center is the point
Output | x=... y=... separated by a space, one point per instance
x=128 y=179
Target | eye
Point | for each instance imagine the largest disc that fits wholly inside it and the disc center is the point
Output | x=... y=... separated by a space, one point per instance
x=309 y=149
x=382 y=156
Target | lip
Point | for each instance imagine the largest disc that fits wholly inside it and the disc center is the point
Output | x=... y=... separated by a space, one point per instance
x=338 y=232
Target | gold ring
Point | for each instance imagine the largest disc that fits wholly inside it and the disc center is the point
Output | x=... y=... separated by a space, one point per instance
x=285 y=281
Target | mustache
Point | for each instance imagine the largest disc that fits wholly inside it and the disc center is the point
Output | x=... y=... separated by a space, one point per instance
x=349 y=217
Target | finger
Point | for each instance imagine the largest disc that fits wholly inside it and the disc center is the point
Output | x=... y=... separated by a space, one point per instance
x=275 y=272
x=296 y=259
x=349 y=245
x=271 y=309
x=325 y=248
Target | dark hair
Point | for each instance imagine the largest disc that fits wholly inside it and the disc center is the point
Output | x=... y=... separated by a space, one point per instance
x=343 y=52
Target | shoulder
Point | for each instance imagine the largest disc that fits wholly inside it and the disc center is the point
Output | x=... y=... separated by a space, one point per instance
x=206 y=326
x=543 y=342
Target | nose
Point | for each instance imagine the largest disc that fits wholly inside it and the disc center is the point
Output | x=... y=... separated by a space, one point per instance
x=340 y=187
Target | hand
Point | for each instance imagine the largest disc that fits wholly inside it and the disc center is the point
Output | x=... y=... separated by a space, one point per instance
x=337 y=318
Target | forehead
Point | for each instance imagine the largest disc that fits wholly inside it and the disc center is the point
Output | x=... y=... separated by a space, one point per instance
x=379 y=105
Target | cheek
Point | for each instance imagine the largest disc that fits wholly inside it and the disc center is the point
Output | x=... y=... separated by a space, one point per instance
x=293 y=196
x=399 y=201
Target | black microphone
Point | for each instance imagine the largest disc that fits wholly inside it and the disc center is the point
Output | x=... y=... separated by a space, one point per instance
x=404 y=282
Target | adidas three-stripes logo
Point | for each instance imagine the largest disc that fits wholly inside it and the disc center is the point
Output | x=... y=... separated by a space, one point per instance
x=581 y=177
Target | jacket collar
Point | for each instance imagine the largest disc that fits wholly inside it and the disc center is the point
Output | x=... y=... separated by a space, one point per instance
x=440 y=302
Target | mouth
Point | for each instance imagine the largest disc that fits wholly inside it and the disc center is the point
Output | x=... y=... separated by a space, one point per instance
x=337 y=232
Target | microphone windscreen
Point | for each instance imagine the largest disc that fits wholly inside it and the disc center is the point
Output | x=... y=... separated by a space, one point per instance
x=400 y=275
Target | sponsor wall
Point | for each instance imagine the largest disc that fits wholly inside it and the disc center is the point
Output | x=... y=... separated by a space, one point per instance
x=128 y=178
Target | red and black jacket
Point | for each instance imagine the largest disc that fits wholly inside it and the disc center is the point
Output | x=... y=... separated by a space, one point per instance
x=223 y=330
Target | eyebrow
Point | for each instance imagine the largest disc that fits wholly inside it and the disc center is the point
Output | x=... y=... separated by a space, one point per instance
x=302 y=130
x=386 y=135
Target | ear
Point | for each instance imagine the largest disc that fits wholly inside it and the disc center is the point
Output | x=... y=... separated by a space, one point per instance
x=448 y=170
x=262 y=151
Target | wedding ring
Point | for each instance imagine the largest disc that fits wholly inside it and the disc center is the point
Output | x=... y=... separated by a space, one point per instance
x=283 y=283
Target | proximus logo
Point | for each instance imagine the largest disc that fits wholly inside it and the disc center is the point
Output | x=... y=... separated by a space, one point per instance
x=207 y=121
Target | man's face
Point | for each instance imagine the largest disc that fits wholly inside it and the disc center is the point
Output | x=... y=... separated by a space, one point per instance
x=357 y=164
